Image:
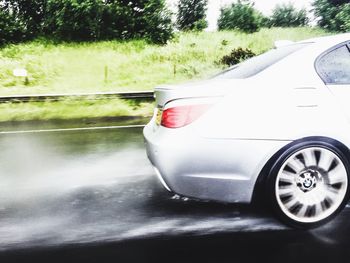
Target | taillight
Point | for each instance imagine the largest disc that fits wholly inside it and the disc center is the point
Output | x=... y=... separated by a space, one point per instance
x=180 y=116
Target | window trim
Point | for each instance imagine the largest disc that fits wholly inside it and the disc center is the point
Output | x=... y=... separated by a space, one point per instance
x=324 y=53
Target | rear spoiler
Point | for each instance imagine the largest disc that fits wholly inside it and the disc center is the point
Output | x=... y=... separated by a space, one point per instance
x=282 y=43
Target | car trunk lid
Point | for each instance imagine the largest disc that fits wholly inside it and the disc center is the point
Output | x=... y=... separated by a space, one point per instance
x=208 y=88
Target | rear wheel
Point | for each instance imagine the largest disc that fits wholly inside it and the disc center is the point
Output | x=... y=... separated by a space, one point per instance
x=309 y=184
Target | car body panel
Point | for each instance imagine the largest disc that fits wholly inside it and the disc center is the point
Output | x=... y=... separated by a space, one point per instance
x=221 y=154
x=208 y=176
x=342 y=95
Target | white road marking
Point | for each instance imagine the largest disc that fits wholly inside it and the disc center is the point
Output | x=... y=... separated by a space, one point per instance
x=73 y=129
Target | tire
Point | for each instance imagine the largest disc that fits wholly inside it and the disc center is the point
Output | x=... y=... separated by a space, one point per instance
x=309 y=183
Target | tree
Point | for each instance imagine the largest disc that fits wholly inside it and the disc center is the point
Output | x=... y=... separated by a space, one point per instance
x=127 y=19
x=332 y=14
x=286 y=15
x=240 y=15
x=73 y=19
x=158 y=25
x=29 y=13
x=192 y=14
x=81 y=20
x=342 y=19
x=12 y=29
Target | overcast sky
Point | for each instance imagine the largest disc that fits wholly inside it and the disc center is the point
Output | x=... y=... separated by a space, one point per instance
x=265 y=6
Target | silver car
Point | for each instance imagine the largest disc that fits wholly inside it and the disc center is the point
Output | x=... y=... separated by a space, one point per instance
x=275 y=128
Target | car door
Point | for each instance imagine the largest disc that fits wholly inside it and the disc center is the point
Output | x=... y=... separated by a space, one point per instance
x=334 y=69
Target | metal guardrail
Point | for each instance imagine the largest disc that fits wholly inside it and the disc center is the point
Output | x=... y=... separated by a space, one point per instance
x=148 y=95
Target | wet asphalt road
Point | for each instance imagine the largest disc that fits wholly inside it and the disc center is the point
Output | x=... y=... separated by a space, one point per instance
x=91 y=196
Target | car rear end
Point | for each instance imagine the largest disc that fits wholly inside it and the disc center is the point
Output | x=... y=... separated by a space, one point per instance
x=199 y=137
x=191 y=164
x=170 y=134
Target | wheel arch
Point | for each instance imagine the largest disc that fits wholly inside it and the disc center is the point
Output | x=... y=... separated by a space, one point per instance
x=259 y=194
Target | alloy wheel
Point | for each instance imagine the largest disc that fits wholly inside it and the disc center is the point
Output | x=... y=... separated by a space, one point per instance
x=311 y=184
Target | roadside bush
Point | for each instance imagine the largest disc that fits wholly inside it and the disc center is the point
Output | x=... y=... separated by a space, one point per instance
x=240 y=15
x=191 y=15
x=286 y=15
x=236 y=56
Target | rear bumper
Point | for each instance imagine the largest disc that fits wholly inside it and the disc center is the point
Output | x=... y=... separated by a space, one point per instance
x=212 y=169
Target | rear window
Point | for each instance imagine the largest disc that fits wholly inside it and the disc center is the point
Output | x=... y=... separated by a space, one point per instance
x=334 y=67
x=257 y=64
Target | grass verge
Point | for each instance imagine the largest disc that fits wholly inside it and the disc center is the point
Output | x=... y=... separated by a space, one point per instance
x=73 y=109
x=118 y=66
x=126 y=66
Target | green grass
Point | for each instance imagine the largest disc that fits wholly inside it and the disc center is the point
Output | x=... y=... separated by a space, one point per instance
x=118 y=66
x=132 y=65
x=73 y=109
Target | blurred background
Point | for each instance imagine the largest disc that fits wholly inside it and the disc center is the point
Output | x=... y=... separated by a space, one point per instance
x=98 y=46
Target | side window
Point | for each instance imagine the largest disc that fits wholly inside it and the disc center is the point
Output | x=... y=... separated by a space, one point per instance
x=334 y=67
